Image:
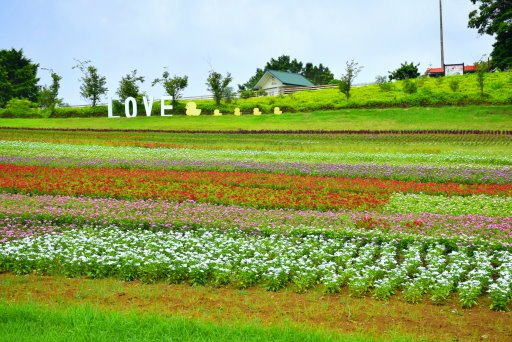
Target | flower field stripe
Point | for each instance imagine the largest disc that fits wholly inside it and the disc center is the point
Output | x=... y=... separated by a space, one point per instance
x=19 y=211
x=212 y=187
x=228 y=187
x=13 y=228
x=31 y=149
x=211 y=257
x=397 y=172
x=452 y=205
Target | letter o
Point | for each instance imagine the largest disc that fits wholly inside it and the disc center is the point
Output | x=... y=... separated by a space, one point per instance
x=127 y=111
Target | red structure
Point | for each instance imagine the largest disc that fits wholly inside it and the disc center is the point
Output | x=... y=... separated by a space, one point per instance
x=436 y=72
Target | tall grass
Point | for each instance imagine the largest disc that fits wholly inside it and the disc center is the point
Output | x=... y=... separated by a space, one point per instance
x=30 y=322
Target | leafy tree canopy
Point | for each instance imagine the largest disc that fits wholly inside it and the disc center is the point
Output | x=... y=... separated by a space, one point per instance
x=219 y=86
x=406 y=70
x=174 y=86
x=494 y=17
x=48 y=96
x=128 y=86
x=352 y=69
x=18 y=77
x=317 y=74
x=93 y=84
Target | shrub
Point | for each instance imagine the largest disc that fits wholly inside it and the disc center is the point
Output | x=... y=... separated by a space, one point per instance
x=80 y=112
x=22 y=108
x=496 y=85
x=409 y=86
x=454 y=84
x=382 y=82
x=245 y=94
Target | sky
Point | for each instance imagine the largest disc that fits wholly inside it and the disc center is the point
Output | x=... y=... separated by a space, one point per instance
x=192 y=37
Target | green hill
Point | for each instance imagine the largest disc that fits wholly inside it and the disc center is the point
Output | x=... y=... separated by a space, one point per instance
x=430 y=92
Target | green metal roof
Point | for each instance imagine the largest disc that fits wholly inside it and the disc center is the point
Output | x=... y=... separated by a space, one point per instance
x=289 y=78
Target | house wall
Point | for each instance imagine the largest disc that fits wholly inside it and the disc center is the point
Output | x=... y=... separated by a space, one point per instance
x=271 y=82
x=272 y=86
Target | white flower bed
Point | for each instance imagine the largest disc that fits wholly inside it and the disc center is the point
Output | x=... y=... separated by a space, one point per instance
x=276 y=261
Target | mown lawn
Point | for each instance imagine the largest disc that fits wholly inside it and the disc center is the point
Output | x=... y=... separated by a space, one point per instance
x=419 y=118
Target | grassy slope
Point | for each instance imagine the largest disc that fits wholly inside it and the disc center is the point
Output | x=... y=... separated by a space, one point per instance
x=472 y=117
x=431 y=91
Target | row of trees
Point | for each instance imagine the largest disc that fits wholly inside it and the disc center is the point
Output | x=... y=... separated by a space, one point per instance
x=18 y=80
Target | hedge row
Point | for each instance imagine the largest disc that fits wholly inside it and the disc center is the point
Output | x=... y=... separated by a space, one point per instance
x=266 y=131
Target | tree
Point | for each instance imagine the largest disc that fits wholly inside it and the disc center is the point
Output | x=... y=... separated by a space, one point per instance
x=48 y=96
x=482 y=68
x=18 y=77
x=501 y=54
x=219 y=86
x=494 y=17
x=172 y=85
x=284 y=63
x=352 y=69
x=406 y=70
x=93 y=85
x=128 y=86
x=249 y=85
x=317 y=74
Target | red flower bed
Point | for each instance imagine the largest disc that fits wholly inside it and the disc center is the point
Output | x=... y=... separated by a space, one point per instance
x=259 y=190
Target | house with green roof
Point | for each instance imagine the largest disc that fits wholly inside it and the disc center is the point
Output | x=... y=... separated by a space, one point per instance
x=274 y=82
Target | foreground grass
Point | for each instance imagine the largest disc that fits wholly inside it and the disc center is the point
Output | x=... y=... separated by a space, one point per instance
x=259 y=314
x=459 y=118
x=32 y=322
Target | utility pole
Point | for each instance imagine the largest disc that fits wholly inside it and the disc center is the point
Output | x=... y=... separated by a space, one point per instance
x=441 y=28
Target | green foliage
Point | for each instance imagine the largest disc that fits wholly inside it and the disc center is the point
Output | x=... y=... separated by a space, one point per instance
x=245 y=94
x=17 y=77
x=48 y=96
x=482 y=68
x=494 y=17
x=128 y=86
x=368 y=97
x=352 y=69
x=21 y=108
x=93 y=84
x=251 y=83
x=81 y=112
x=406 y=70
x=219 y=86
x=454 y=84
x=382 y=82
x=174 y=86
x=409 y=86
x=501 y=53
x=36 y=322
x=285 y=63
x=316 y=74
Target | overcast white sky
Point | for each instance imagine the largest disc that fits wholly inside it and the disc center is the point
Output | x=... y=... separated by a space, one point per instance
x=237 y=36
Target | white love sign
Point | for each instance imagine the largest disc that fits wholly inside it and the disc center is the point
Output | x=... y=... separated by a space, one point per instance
x=130 y=107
